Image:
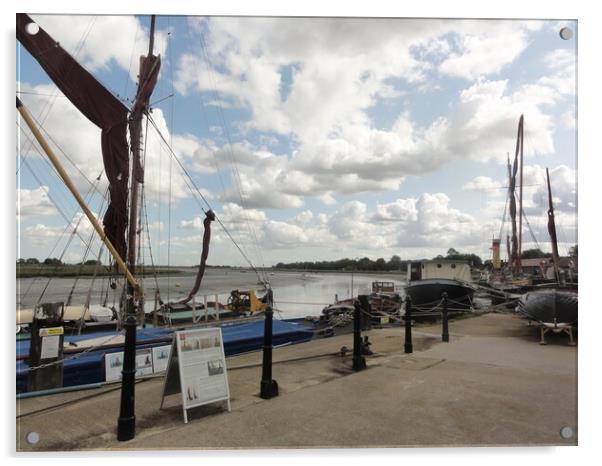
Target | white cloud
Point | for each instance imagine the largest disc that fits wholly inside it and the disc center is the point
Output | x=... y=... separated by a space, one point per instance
x=485 y=185
x=295 y=88
x=34 y=202
x=41 y=234
x=438 y=225
x=400 y=210
x=486 y=47
x=568 y=119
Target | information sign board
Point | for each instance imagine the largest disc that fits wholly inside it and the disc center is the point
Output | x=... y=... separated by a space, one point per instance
x=197 y=368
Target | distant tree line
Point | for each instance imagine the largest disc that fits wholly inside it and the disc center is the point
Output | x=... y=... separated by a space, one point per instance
x=53 y=261
x=380 y=264
x=364 y=264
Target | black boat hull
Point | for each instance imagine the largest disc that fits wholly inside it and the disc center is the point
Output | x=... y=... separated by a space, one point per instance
x=550 y=307
x=427 y=294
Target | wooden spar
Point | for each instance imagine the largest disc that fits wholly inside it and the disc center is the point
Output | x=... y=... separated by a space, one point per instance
x=520 y=208
x=63 y=174
x=552 y=229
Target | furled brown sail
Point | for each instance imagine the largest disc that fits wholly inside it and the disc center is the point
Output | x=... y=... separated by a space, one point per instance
x=209 y=217
x=552 y=228
x=514 y=239
x=100 y=107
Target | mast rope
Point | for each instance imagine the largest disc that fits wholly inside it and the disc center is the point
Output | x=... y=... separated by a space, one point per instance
x=88 y=245
x=45 y=112
x=171 y=130
x=188 y=179
x=52 y=199
x=144 y=213
x=236 y=173
x=127 y=76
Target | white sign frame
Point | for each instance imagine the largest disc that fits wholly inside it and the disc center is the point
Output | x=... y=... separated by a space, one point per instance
x=202 y=335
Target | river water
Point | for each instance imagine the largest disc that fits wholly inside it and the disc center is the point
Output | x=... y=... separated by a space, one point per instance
x=295 y=294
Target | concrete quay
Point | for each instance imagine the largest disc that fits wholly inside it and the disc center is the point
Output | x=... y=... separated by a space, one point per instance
x=491 y=385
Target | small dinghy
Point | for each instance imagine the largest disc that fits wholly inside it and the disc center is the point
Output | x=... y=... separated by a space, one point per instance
x=554 y=310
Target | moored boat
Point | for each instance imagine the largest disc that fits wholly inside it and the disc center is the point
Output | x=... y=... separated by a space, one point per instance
x=552 y=308
x=428 y=280
x=85 y=358
x=427 y=294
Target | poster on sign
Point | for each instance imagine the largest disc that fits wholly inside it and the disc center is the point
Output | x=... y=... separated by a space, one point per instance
x=197 y=369
x=114 y=364
x=160 y=358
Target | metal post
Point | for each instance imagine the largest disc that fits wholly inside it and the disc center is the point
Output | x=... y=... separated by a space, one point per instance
x=445 y=334
x=359 y=362
x=269 y=387
x=408 y=348
x=155 y=313
x=126 y=425
x=217 y=309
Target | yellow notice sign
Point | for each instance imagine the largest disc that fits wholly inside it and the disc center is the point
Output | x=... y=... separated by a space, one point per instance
x=47 y=332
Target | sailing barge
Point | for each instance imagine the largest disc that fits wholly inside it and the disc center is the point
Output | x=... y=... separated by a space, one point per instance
x=85 y=358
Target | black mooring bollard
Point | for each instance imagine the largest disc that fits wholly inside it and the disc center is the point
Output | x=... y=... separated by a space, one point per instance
x=445 y=334
x=126 y=425
x=408 y=348
x=269 y=387
x=359 y=362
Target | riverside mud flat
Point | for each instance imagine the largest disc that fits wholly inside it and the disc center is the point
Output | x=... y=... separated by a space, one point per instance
x=296 y=294
x=493 y=384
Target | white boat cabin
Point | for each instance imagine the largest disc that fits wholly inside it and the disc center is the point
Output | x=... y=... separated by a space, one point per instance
x=449 y=269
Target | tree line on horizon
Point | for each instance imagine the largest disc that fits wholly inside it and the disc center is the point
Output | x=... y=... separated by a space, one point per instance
x=398 y=264
x=395 y=264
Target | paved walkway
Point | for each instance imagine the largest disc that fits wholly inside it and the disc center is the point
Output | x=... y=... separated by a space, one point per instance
x=493 y=384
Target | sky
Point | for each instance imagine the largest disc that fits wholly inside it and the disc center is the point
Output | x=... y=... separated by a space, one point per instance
x=312 y=138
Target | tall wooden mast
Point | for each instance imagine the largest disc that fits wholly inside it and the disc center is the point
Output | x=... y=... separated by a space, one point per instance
x=520 y=208
x=552 y=230
x=139 y=108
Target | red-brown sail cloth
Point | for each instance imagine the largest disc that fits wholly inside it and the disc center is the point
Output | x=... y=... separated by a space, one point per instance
x=209 y=217
x=100 y=107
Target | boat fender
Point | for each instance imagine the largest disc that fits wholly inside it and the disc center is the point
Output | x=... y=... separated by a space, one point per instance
x=366 y=346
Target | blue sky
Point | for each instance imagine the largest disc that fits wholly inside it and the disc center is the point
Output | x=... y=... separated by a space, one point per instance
x=317 y=138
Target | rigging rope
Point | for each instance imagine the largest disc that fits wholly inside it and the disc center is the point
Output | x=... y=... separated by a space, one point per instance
x=199 y=193
x=171 y=130
x=88 y=245
x=50 y=103
x=237 y=178
x=69 y=221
